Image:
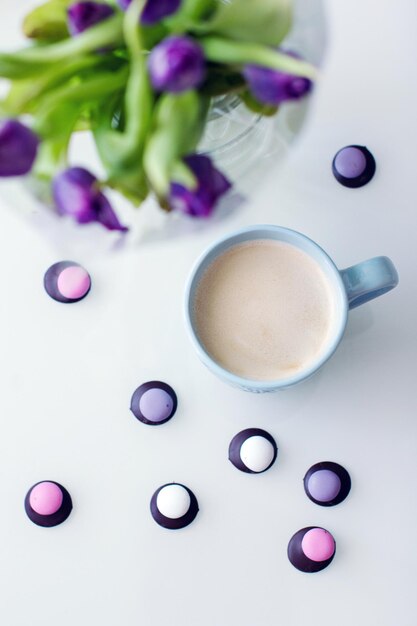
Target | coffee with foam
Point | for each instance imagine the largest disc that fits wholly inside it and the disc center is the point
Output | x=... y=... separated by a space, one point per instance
x=263 y=310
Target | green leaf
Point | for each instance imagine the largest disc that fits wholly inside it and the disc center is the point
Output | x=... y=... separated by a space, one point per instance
x=120 y=128
x=262 y=21
x=178 y=126
x=191 y=15
x=133 y=186
x=36 y=59
x=55 y=127
x=221 y=50
x=48 y=21
x=24 y=95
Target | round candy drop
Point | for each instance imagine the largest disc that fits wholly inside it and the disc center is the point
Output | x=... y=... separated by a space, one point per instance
x=353 y=166
x=311 y=549
x=174 y=506
x=48 y=504
x=154 y=403
x=253 y=451
x=327 y=483
x=67 y=282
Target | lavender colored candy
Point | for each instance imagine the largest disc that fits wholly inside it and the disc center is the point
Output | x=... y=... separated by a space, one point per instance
x=353 y=166
x=324 y=485
x=350 y=162
x=154 y=403
x=327 y=483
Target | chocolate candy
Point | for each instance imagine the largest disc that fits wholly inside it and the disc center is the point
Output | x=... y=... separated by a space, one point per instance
x=48 y=504
x=311 y=549
x=353 y=166
x=253 y=451
x=327 y=483
x=174 y=506
x=154 y=403
x=67 y=282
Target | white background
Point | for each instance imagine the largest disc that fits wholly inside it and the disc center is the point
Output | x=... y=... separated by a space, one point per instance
x=68 y=372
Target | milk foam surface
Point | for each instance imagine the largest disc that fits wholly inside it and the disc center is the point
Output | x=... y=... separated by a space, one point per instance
x=263 y=310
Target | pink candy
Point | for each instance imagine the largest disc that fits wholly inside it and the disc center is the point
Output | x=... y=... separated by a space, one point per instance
x=73 y=282
x=46 y=498
x=318 y=545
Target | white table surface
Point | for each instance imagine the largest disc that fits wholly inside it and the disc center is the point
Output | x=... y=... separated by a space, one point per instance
x=68 y=374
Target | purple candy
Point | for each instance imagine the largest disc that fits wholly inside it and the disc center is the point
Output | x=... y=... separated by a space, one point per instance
x=350 y=162
x=156 y=405
x=324 y=485
x=353 y=166
x=327 y=483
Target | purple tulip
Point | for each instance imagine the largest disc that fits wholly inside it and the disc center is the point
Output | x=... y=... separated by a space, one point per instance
x=155 y=10
x=76 y=193
x=84 y=15
x=274 y=87
x=211 y=186
x=18 y=148
x=176 y=64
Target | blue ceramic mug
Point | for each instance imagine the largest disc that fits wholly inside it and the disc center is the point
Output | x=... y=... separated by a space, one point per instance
x=351 y=287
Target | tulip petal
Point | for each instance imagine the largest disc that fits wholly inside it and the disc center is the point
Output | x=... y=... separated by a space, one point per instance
x=18 y=148
x=84 y=15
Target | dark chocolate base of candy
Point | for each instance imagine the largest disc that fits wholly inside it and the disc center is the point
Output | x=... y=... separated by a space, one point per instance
x=365 y=177
x=180 y=522
x=134 y=403
x=345 y=482
x=47 y=521
x=237 y=442
x=50 y=282
x=297 y=557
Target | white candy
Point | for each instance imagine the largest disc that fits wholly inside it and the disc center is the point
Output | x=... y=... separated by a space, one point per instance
x=173 y=501
x=257 y=453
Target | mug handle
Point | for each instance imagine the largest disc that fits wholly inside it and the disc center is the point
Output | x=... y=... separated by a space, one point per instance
x=368 y=280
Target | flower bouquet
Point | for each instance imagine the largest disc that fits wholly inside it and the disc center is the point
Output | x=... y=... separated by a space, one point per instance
x=141 y=77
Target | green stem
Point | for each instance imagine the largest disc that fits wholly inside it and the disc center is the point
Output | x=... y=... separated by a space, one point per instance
x=138 y=101
x=121 y=152
x=220 y=50
x=93 y=88
x=33 y=60
x=24 y=94
x=179 y=124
